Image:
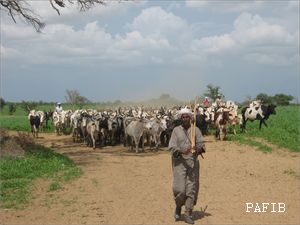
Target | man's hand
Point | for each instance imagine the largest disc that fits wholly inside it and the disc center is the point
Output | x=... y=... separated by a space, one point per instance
x=201 y=150
x=176 y=154
x=187 y=151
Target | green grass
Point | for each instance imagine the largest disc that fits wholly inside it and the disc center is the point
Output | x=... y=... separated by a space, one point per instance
x=282 y=130
x=21 y=123
x=253 y=143
x=55 y=185
x=17 y=174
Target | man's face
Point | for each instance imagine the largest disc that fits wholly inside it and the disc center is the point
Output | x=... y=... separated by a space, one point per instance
x=186 y=119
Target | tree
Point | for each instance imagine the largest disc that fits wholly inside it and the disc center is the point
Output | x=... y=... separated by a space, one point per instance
x=2 y=103
x=12 y=108
x=282 y=99
x=26 y=106
x=264 y=98
x=24 y=10
x=74 y=97
x=213 y=91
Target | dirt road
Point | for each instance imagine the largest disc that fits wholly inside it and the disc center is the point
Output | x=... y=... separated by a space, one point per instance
x=119 y=187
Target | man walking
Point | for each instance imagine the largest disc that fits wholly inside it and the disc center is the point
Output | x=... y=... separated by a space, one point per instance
x=185 y=165
x=58 y=108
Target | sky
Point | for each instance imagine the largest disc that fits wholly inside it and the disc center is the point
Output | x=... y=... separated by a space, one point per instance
x=137 y=50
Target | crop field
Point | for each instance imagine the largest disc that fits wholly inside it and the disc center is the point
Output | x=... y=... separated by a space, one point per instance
x=283 y=130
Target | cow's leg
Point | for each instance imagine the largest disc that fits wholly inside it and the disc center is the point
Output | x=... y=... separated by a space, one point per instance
x=221 y=133
x=94 y=141
x=84 y=134
x=217 y=134
x=225 y=132
x=87 y=140
x=158 y=141
x=244 y=125
x=34 y=132
x=150 y=140
x=131 y=142
x=74 y=135
x=264 y=122
x=260 y=123
x=125 y=140
x=136 y=142
x=102 y=137
x=143 y=142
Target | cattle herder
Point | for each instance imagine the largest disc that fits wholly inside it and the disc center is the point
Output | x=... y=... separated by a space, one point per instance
x=185 y=165
x=58 y=108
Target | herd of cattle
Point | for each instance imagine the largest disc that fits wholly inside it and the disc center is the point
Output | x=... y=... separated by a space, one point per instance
x=135 y=127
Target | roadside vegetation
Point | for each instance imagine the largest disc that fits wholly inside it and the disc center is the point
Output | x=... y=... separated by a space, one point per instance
x=22 y=162
x=283 y=130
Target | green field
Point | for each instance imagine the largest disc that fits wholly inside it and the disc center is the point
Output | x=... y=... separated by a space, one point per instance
x=17 y=175
x=283 y=130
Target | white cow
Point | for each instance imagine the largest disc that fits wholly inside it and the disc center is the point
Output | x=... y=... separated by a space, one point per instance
x=92 y=129
x=135 y=130
x=154 y=128
x=57 y=121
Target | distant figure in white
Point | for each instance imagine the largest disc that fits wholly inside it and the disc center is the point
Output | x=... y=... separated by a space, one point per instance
x=58 y=108
x=255 y=103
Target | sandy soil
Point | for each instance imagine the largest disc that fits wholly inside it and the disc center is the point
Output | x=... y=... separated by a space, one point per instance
x=120 y=187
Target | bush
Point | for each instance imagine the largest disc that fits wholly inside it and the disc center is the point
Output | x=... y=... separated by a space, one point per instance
x=12 y=108
x=26 y=106
x=282 y=99
x=2 y=103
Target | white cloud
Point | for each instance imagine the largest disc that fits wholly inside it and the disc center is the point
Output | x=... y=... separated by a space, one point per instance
x=213 y=44
x=156 y=22
x=254 y=39
x=17 y=32
x=9 y=52
x=60 y=43
x=134 y=40
x=155 y=36
x=254 y=30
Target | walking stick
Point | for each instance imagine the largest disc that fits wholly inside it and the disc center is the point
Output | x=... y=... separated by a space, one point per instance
x=193 y=130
